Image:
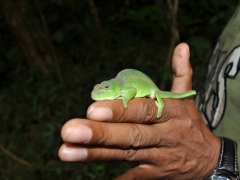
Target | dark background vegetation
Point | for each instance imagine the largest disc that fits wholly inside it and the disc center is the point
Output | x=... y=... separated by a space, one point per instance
x=52 y=53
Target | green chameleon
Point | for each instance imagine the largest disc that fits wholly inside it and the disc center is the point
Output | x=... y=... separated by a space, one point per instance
x=131 y=83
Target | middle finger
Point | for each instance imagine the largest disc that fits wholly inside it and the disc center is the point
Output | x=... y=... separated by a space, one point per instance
x=124 y=135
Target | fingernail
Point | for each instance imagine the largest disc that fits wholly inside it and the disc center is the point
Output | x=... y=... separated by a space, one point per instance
x=78 y=134
x=74 y=154
x=99 y=113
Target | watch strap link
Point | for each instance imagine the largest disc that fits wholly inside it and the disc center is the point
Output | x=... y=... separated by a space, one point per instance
x=228 y=158
x=227 y=168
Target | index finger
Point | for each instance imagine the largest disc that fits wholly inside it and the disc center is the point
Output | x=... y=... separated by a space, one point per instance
x=139 y=110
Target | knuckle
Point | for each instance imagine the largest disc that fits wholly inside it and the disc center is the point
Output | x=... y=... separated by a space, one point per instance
x=130 y=155
x=141 y=110
x=150 y=111
x=137 y=137
x=147 y=110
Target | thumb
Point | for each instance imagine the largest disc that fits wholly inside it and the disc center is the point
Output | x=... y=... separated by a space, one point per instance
x=182 y=78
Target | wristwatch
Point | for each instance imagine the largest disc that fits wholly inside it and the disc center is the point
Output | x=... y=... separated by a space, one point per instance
x=227 y=168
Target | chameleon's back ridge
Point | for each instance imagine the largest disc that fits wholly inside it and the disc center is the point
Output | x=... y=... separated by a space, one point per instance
x=137 y=79
x=134 y=74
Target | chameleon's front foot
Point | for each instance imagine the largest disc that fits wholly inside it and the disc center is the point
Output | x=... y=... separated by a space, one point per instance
x=128 y=93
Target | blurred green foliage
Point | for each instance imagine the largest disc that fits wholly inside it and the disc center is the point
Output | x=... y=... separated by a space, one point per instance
x=34 y=104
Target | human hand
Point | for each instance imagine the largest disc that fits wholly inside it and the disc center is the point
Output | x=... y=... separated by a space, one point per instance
x=177 y=145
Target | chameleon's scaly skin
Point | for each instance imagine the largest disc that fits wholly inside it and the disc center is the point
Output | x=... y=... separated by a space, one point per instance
x=131 y=83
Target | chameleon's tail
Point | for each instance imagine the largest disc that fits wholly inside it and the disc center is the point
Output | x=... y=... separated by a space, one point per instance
x=185 y=95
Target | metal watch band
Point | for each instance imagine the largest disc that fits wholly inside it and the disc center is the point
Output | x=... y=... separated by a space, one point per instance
x=227 y=164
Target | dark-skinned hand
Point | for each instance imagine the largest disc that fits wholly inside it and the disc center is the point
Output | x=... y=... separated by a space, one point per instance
x=176 y=146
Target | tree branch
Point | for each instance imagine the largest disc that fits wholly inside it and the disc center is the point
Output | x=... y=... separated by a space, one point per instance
x=174 y=35
x=31 y=34
x=127 y=2
x=12 y=156
x=52 y=49
x=96 y=18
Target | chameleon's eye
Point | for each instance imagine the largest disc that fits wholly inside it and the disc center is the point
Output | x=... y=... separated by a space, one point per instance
x=106 y=85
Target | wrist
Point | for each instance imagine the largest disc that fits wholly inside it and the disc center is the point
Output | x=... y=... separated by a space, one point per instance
x=227 y=168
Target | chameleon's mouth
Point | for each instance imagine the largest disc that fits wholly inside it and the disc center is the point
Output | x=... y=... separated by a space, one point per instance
x=100 y=97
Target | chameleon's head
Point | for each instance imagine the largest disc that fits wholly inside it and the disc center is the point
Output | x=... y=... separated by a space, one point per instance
x=107 y=90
